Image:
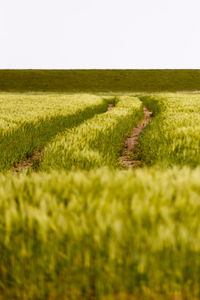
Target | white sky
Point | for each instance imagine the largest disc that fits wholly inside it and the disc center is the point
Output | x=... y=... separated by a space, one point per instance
x=99 y=34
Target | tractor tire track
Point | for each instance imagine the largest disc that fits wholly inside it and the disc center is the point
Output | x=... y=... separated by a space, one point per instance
x=126 y=160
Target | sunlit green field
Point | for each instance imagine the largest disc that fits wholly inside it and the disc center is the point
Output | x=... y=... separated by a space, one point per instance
x=76 y=225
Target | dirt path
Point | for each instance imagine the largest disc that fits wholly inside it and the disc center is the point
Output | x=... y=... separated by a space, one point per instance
x=131 y=141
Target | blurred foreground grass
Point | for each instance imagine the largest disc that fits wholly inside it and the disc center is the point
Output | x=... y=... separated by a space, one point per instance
x=89 y=235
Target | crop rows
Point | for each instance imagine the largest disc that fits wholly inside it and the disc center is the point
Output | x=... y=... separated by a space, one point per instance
x=96 y=142
x=77 y=227
x=29 y=122
x=105 y=233
x=173 y=137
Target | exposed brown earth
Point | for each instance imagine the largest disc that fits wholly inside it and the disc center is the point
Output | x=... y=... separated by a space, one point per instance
x=29 y=162
x=111 y=106
x=131 y=141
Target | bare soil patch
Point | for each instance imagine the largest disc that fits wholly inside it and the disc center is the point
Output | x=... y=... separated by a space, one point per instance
x=111 y=106
x=131 y=141
x=29 y=162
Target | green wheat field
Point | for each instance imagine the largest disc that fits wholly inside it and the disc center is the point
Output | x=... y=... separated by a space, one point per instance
x=75 y=224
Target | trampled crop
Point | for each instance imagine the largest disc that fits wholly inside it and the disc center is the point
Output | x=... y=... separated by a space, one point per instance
x=77 y=226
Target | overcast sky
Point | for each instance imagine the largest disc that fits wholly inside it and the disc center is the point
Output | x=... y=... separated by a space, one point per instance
x=80 y=34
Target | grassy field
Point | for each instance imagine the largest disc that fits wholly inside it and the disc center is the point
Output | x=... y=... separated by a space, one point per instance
x=29 y=122
x=173 y=137
x=78 y=226
x=96 y=142
x=92 y=81
x=101 y=234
